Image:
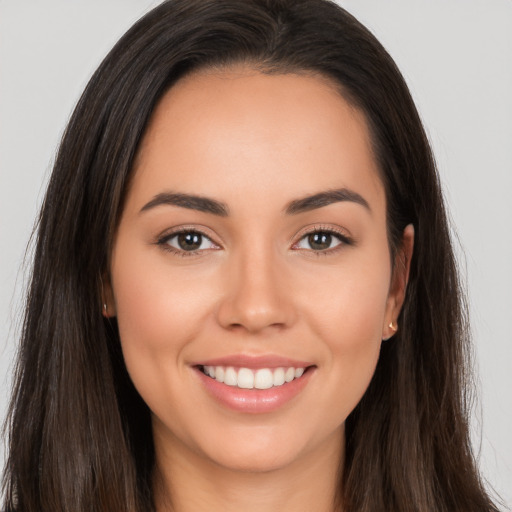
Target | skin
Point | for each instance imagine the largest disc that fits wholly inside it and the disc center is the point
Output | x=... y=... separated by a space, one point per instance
x=254 y=142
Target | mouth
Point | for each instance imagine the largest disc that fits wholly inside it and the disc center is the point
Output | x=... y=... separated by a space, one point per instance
x=254 y=384
x=253 y=378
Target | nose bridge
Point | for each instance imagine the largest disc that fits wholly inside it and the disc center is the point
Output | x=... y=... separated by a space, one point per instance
x=256 y=296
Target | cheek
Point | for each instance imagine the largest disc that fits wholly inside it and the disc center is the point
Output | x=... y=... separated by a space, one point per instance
x=347 y=303
x=151 y=296
x=347 y=313
x=158 y=314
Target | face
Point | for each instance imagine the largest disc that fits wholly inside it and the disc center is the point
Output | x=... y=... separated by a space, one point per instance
x=251 y=274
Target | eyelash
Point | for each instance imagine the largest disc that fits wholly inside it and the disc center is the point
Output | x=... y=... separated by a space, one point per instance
x=344 y=240
x=163 y=241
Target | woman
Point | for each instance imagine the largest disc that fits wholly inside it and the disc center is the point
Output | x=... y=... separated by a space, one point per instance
x=244 y=292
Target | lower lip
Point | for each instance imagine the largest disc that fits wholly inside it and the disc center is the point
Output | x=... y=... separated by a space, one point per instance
x=255 y=401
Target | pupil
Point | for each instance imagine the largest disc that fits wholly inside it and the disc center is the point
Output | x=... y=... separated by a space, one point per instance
x=189 y=241
x=320 y=241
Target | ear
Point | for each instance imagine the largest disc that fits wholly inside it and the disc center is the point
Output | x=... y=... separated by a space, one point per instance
x=399 y=279
x=108 y=305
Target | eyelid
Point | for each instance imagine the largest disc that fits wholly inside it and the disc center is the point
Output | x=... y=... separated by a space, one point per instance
x=340 y=233
x=343 y=236
x=162 y=239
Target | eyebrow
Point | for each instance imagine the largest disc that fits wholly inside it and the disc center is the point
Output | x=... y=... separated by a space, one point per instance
x=208 y=205
x=326 y=198
x=192 y=202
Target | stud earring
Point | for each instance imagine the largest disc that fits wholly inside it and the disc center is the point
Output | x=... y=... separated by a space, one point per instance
x=394 y=328
x=105 y=309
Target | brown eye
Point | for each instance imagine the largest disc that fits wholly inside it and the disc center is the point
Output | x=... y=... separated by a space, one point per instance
x=189 y=241
x=320 y=241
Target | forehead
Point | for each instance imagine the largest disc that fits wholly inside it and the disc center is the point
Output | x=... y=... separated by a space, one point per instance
x=242 y=132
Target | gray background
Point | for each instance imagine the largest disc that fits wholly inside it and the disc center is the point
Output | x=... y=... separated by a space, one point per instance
x=456 y=56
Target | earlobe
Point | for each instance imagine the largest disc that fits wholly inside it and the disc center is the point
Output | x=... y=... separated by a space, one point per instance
x=400 y=278
x=392 y=329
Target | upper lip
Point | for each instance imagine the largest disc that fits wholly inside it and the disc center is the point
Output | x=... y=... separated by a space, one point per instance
x=254 y=362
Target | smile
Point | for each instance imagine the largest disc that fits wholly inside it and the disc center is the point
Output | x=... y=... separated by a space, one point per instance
x=254 y=385
x=247 y=378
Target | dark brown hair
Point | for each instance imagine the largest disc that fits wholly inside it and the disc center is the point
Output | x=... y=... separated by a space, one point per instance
x=80 y=436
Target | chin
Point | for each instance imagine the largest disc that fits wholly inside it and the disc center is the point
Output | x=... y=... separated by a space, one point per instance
x=262 y=462
x=262 y=451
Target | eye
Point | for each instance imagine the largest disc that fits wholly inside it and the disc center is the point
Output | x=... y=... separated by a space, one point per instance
x=187 y=241
x=321 y=240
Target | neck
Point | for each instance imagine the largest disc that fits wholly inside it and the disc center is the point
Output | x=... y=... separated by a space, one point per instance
x=187 y=482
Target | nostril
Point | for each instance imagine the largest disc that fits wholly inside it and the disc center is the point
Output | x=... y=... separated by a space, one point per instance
x=253 y=302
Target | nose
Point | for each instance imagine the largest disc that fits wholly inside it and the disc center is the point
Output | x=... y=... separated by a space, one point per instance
x=258 y=294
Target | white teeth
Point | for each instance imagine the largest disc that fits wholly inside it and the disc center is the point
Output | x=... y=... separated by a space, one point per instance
x=278 y=377
x=219 y=373
x=263 y=379
x=245 y=378
x=230 y=377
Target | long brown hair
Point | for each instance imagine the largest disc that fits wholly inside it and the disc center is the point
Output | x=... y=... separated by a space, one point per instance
x=80 y=436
